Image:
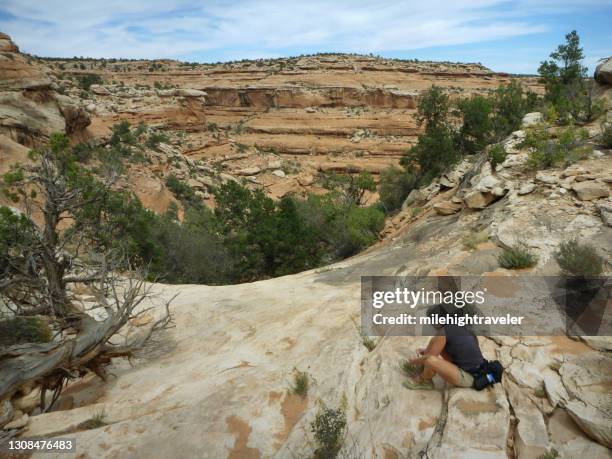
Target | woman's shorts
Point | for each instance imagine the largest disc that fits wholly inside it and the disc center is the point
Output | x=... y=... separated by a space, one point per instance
x=465 y=379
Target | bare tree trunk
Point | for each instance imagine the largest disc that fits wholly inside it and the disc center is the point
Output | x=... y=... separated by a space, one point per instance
x=37 y=269
x=49 y=364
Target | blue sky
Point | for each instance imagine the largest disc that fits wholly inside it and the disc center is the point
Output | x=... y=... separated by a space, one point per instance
x=505 y=35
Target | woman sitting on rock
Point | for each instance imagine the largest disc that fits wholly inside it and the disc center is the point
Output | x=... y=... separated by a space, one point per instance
x=455 y=355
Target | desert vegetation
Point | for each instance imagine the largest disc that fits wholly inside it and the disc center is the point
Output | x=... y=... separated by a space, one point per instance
x=563 y=147
x=329 y=430
x=248 y=236
x=478 y=123
x=518 y=256
x=578 y=259
x=42 y=266
x=453 y=130
x=567 y=88
x=301 y=383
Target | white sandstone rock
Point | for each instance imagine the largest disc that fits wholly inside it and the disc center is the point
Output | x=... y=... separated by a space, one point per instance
x=526 y=188
x=592 y=189
x=531 y=119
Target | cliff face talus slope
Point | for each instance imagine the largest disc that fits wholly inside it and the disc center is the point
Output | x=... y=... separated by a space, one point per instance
x=306 y=115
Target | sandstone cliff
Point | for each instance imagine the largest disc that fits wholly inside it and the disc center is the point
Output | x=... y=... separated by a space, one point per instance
x=30 y=108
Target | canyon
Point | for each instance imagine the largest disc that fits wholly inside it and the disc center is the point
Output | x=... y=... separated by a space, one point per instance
x=219 y=383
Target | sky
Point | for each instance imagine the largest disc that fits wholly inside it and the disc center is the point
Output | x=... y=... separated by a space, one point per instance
x=505 y=35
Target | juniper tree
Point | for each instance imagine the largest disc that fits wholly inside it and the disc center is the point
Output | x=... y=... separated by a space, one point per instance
x=65 y=236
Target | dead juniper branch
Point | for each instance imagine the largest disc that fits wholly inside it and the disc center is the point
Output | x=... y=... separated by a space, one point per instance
x=89 y=344
x=40 y=265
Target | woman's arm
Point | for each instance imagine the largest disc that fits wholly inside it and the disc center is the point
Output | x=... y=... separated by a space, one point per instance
x=434 y=348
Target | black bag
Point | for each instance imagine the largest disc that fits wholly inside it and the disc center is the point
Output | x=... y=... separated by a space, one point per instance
x=487 y=374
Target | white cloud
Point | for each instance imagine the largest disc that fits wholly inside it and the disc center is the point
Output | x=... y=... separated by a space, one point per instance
x=156 y=28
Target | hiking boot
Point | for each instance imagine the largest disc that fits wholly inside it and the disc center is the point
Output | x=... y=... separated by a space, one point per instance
x=409 y=369
x=418 y=385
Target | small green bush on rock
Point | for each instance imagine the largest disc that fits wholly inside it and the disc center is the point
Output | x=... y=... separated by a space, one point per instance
x=517 y=257
x=395 y=185
x=86 y=81
x=497 y=155
x=301 y=383
x=578 y=260
x=328 y=428
x=606 y=135
x=547 y=151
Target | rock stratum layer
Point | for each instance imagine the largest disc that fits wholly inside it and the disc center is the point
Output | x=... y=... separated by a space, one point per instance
x=309 y=115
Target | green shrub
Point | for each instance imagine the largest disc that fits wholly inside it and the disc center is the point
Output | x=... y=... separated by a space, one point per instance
x=85 y=81
x=476 y=130
x=352 y=186
x=433 y=108
x=572 y=143
x=182 y=191
x=368 y=343
x=140 y=129
x=342 y=229
x=434 y=154
x=550 y=454
x=362 y=226
x=539 y=392
x=395 y=185
x=96 y=421
x=569 y=146
x=497 y=155
x=155 y=138
x=121 y=134
x=509 y=106
x=517 y=257
x=300 y=383
x=84 y=152
x=328 y=428
x=551 y=115
x=189 y=252
x=99 y=418
x=578 y=260
x=436 y=150
x=264 y=237
x=111 y=161
x=474 y=238
x=20 y=330
x=606 y=135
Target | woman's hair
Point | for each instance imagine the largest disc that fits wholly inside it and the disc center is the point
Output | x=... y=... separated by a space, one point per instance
x=447 y=284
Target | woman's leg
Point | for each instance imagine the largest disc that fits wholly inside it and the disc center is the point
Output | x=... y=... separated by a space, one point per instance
x=437 y=365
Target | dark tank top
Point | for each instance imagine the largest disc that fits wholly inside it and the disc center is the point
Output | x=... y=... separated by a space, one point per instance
x=462 y=348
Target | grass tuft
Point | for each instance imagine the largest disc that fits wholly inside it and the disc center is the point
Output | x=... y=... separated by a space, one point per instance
x=517 y=257
x=472 y=239
x=301 y=382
